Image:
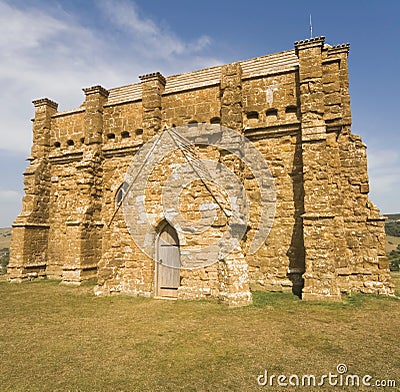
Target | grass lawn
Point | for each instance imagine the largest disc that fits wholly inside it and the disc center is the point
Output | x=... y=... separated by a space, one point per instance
x=56 y=338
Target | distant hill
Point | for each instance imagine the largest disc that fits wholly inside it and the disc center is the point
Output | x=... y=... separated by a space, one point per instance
x=392 y=225
x=392 y=217
x=392 y=228
x=5 y=239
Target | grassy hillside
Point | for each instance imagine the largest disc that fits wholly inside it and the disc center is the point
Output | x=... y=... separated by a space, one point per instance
x=392 y=243
x=392 y=225
x=393 y=217
x=392 y=228
x=5 y=238
x=65 y=339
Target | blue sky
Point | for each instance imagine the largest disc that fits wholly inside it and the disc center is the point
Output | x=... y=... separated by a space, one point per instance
x=55 y=48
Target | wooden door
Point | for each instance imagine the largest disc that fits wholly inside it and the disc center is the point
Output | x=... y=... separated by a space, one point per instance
x=168 y=257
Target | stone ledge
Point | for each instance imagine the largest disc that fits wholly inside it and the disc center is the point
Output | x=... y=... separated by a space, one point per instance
x=45 y=102
x=66 y=158
x=32 y=266
x=376 y=218
x=31 y=225
x=73 y=223
x=69 y=112
x=157 y=76
x=273 y=130
x=316 y=216
x=96 y=90
x=66 y=267
x=331 y=60
x=120 y=151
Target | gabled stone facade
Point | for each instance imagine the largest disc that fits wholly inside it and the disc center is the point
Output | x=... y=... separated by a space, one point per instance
x=327 y=238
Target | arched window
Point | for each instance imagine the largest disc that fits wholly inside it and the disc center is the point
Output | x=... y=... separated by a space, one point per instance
x=119 y=196
x=125 y=135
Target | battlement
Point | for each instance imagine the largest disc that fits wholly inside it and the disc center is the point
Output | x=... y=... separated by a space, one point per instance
x=270 y=98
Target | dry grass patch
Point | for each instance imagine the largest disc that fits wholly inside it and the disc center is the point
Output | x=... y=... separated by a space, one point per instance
x=391 y=243
x=57 y=338
x=5 y=238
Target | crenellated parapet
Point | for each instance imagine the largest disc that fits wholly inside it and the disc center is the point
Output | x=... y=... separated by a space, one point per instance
x=28 y=252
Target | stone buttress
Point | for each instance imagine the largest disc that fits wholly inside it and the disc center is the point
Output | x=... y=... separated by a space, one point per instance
x=28 y=252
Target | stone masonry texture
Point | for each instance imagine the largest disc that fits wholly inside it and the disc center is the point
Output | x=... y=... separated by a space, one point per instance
x=327 y=237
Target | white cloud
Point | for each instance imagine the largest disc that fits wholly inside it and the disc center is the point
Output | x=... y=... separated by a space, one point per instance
x=153 y=39
x=48 y=52
x=8 y=195
x=26 y=30
x=10 y=206
x=384 y=176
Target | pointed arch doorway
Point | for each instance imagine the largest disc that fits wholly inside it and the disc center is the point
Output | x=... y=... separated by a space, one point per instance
x=168 y=262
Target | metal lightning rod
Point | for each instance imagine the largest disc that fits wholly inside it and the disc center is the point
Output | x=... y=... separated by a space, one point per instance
x=311 y=35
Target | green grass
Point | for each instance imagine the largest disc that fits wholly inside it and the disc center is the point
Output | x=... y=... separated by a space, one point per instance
x=57 y=338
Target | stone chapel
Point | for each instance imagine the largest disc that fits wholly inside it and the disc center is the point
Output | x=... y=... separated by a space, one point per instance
x=326 y=239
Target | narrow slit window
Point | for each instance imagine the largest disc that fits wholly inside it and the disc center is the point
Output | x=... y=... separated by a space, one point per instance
x=272 y=115
x=121 y=193
x=252 y=115
x=291 y=112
